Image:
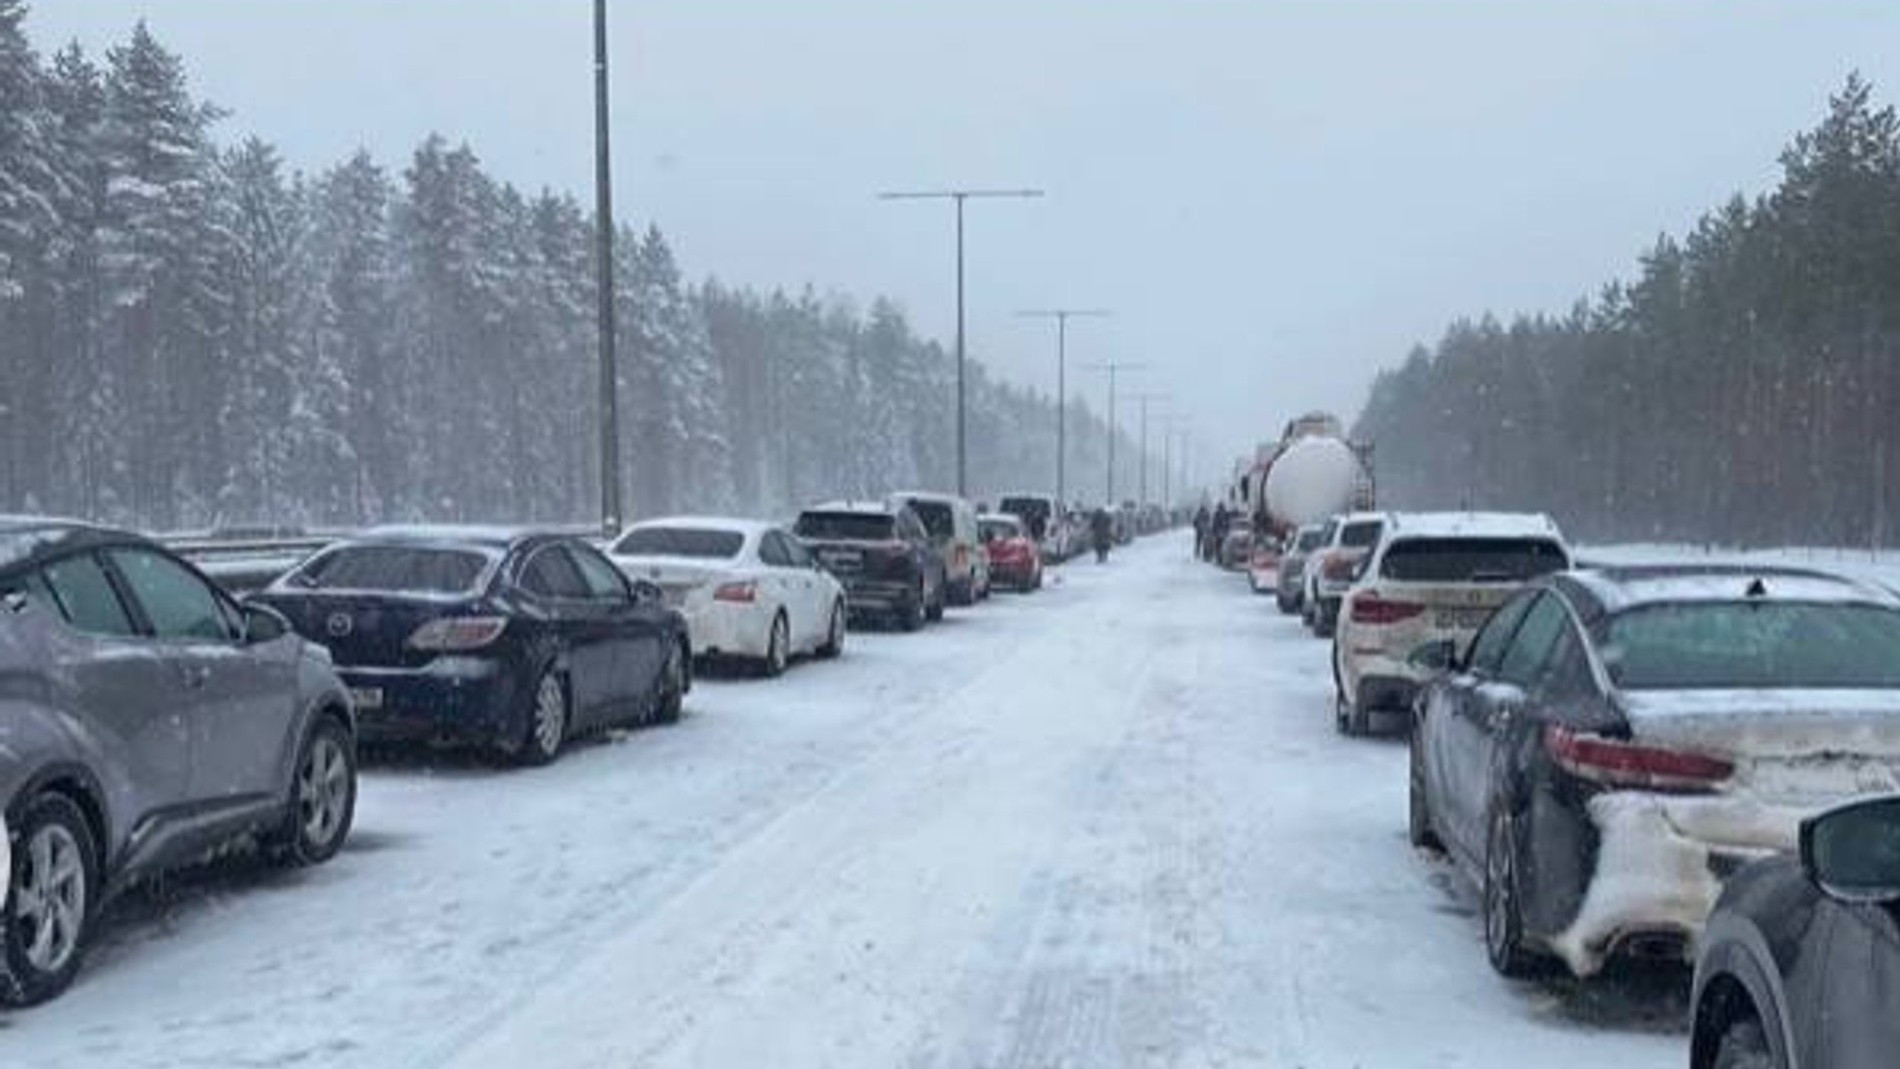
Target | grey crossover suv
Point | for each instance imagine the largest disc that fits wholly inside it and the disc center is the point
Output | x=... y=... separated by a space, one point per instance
x=146 y=720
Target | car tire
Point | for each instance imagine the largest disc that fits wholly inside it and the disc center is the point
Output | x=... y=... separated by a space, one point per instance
x=1418 y=804
x=1744 y=1045
x=322 y=797
x=1502 y=910
x=834 y=635
x=51 y=833
x=778 y=644
x=546 y=724
x=911 y=617
x=669 y=697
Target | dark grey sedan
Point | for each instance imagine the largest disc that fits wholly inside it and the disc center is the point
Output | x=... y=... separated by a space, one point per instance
x=146 y=719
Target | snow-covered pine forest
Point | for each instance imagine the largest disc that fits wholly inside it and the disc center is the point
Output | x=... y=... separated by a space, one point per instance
x=192 y=333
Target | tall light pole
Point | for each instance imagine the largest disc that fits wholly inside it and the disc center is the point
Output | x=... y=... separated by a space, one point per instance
x=1062 y=317
x=959 y=196
x=604 y=219
x=1143 y=451
x=1112 y=367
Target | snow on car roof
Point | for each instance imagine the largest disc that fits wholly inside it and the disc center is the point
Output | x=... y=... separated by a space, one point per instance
x=735 y=524
x=1624 y=587
x=1473 y=524
x=467 y=533
x=862 y=508
x=926 y=495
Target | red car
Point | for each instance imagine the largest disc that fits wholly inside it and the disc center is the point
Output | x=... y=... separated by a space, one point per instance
x=1014 y=559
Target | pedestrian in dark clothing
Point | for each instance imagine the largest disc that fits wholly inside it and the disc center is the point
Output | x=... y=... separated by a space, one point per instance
x=1200 y=533
x=1217 y=531
x=1102 y=532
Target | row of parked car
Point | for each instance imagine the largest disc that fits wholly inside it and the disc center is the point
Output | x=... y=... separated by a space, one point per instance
x=1667 y=762
x=154 y=716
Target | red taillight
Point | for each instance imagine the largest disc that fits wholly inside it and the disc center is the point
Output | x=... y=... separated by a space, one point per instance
x=450 y=634
x=744 y=592
x=1265 y=558
x=1625 y=764
x=1370 y=608
x=962 y=558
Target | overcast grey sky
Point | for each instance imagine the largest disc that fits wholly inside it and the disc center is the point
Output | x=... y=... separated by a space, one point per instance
x=1277 y=199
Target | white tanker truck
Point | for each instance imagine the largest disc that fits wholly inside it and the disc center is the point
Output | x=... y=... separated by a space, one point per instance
x=1311 y=473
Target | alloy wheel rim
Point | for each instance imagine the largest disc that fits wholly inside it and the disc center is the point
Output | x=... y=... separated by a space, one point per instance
x=777 y=652
x=1498 y=885
x=323 y=791
x=50 y=898
x=550 y=714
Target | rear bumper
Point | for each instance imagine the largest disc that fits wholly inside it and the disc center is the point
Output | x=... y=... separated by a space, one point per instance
x=864 y=595
x=474 y=700
x=1659 y=865
x=722 y=629
x=1012 y=572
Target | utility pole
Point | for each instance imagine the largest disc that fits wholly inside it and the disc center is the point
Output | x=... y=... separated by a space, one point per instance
x=1143 y=451
x=610 y=514
x=1062 y=317
x=959 y=196
x=1112 y=367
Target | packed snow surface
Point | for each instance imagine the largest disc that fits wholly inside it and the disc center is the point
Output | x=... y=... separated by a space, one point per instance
x=1108 y=824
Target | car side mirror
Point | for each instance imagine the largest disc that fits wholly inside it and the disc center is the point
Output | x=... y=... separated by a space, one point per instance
x=647 y=593
x=263 y=624
x=1437 y=657
x=1852 y=852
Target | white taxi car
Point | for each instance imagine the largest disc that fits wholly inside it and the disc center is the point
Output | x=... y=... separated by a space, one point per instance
x=1432 y=576
x=749 y=590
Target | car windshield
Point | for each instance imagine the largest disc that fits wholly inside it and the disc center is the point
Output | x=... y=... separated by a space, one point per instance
x=1310 y=540
x=680 y=542
x=394 y=569
x=1000 y=529
x=846 y=527
x=1471 y=560
x=937 y=516
x=1753 y=644
x=1361 y=535
x=1029 y=508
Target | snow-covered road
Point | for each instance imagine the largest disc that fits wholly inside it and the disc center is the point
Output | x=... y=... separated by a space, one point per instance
x=1105 y=825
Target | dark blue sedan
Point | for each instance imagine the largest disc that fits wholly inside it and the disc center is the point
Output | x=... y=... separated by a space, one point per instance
x=511 y=639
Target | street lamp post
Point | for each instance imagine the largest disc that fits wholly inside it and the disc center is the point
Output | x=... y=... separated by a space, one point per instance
x=959 y=196
x=1062 y=317
x=1113 y=367
x=1143 y=451
x=604 y=219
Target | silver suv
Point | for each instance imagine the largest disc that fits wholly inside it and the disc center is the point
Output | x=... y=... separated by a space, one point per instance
x=146 y=719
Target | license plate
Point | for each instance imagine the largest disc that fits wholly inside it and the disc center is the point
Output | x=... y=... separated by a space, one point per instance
x=1461 y=619
x=846 y=559
x=674 y=596
x=366 y=697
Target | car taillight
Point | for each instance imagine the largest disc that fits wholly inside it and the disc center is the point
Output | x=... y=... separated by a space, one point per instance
x=1368 y=608
x=1265 y=558
x=450 y=634
x=963 y=557
x=744 y=592
x=1625 y=764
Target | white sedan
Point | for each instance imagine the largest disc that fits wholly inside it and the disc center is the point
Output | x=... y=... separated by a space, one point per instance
x=748 y=589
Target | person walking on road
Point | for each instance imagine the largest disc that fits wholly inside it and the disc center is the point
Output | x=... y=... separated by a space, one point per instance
x=1102 y=533
x=1216 y=531
x=1200 y=532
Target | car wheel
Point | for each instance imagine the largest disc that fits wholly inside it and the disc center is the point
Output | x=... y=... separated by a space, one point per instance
x=1418 y=805
x=777 y=649
x=50 y=901
x=1744 y=1046
x=1503 y=907
x=322 y=796
x=669 y=701
x=834 y=636
x=911 y=616
x=547 y=721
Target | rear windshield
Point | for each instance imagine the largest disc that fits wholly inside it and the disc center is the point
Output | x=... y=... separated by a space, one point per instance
x=1026 y=507
x=680 y=542
x=1310 y=540
x=999 y=529
x=424 y=569
x=846 y=526
x=1361 y=535
x=1472 y=560
x=1745 y=645
x=937 y=517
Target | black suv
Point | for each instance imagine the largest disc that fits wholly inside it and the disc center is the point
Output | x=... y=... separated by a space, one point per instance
x=148 y=720
x=883 y=556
